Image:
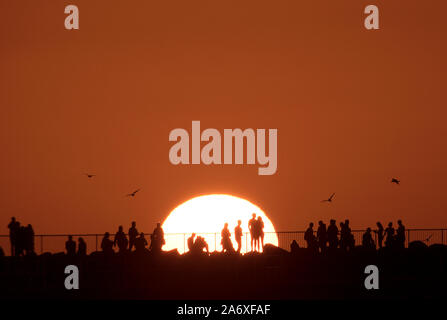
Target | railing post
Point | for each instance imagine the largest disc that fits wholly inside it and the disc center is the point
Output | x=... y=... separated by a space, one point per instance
x=442 y=236
x=41 y=244
x=96 y=238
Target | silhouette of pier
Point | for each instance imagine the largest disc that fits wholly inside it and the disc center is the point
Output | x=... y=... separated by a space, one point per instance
x=325 y=263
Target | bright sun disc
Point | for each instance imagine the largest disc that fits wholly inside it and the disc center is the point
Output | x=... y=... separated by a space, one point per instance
x=206 y=216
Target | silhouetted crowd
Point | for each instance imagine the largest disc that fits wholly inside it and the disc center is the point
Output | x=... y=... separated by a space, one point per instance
x=123 y=242
x=255 y=226
x=325 y=238
x=333 y=237
x=21 y=238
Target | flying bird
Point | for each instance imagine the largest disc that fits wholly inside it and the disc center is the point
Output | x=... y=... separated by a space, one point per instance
x=90 y=175
x=330 y=198
x=394 y=180
x=133 y=193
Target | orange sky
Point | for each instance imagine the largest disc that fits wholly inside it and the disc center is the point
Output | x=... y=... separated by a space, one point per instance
x=353 y=108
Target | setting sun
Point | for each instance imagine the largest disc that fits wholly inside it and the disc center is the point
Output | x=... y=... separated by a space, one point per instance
x=206 y=216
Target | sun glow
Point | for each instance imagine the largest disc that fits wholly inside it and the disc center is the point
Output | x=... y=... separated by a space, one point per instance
x=206 y=216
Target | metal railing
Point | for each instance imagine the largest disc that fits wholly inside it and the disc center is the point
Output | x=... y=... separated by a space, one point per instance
x=56 y=242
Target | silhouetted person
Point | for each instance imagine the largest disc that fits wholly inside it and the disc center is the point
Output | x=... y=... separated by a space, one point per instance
x=400 y=234
x=70 y=246
x=201 y=244
x=157 y=238
x=343 y=236
x=238 y=235
x=82 y=247
x=348 y=241
x=190 y=242
x=227 y=245
x=332 y=234
x=367 y=240
x=260 y=233
x=256 y=235
x=380 y=234
x=133 y=234
x=13 y=227
x=120 y=239
x=252 y=228
x=310 y=238
x=107 y=244
x=351 y=237
x=28 y=239
x=321 y=235
x=389 y=232
x=20 y=240
x=294 y=247
x=140 y=243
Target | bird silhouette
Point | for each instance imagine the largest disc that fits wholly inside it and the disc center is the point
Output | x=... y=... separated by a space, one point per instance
x=329 y=199
x=394 y=180
x=90 y=175
x=428 y=239
x=133 y=193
